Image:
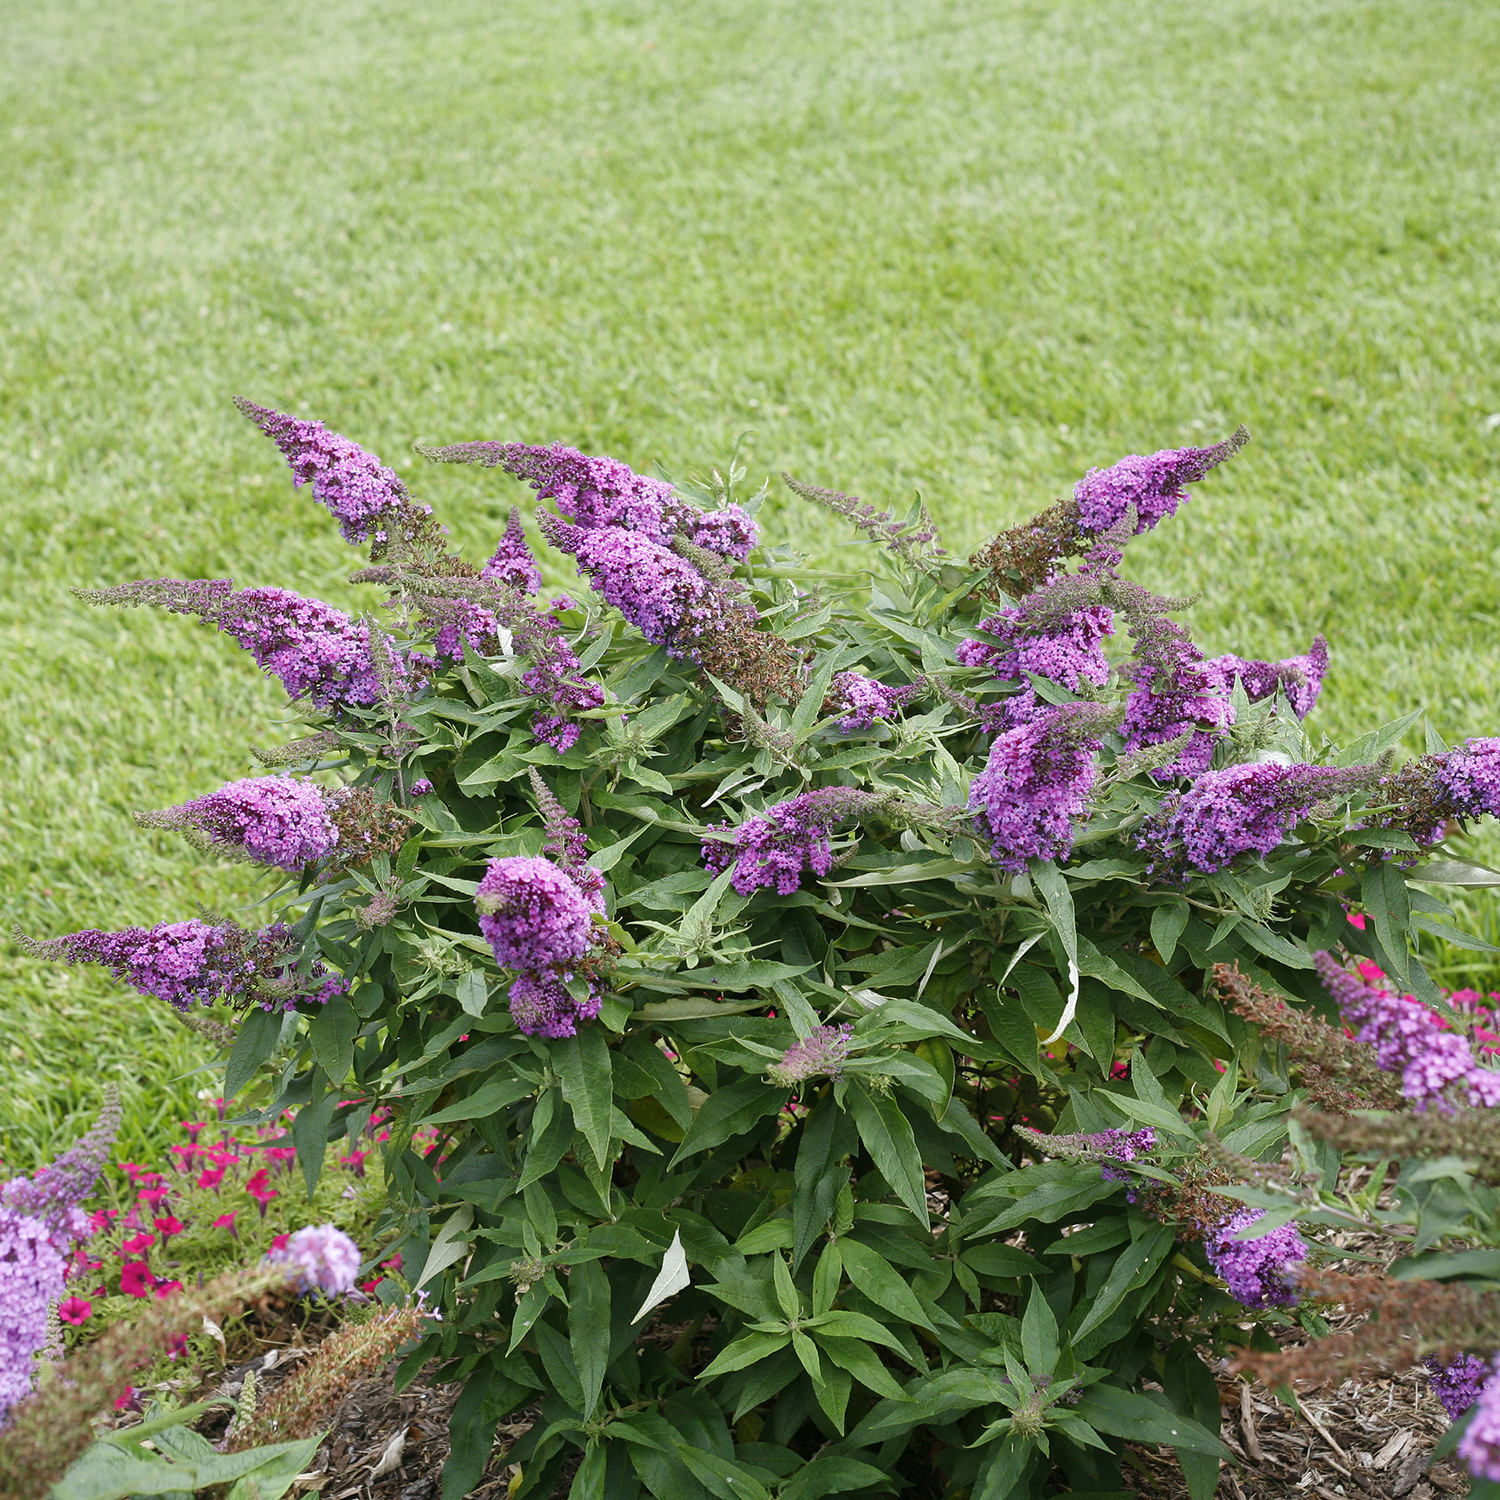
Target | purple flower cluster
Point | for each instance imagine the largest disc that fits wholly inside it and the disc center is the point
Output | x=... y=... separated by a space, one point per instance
x=40 y=1218
x=54 y=1194
x=1299 y=677
x=1067 y=649
x=199 y=963
x=360 y=492
x=822 y=1053
x=1479 y=1447
x=277 y=820
x=1457 y=1383
x=1435 y=1063
x=1152 y=484
x=603 y=492
x=539 y=919
x=1260 y=1272
x=1469 y=778
x=33 y=1271
x=1034 y=785
x=322 y=1257
x=665 y=597
x=789 y=838
x=1175 y=694
x=1239 y=810
x=863 y=700
x=512 y=561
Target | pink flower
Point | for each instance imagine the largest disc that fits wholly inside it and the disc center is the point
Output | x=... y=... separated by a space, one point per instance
x=169 y=1226
x=153 y=1196
x=194 y=1128
x=177 y=1344
x=279 y=1243
x=138 y=1245
x=136 y=1279
x=125 y=1398
x=210 y=1177
x=100 y=1218
x=167 y=1288
x=226 y=1221
x=74 y=1310
x=261 y=1191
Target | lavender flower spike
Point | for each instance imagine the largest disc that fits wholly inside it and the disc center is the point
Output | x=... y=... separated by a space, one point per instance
x=533 y=915
x=1458 y=1382
x=864 y=700
x=822 y=1053
x=1300 y=677
x=199 y=963
x=1239 y=810
x=322 y=1257
x=361 y=494
x=1036 y=784
x=1479 y=1447
x=1152 y=484
x=55 y=1193
x=1175 y=695
x=541 y=1005
x=789 y=838
x=512 y=562
x=33 y=1271
x=1260 y=1272
x=276 y=820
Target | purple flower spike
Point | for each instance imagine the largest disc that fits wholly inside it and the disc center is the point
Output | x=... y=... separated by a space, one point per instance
x=1260 y=1272
x=322 y=1257
x=776 y=848
x=1175 y=694
x=1299 y=677
x=1435 y=1063
x=822 y=1053
x=540 y=1005
x=513 y=562
x=661 y=594
x=360 y=492
x=1153 y=484
x=1066 y=649
x=864 y=700
x=533 y=915
x=277 y=820
x=603 y=492
x=198 y=963
x=33 y=1271
x=1036 y=784
x=1239 y=810
x=1457 y=1384
x=1479 y=1447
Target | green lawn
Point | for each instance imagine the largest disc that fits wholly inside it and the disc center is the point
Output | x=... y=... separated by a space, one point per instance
x=970 y=247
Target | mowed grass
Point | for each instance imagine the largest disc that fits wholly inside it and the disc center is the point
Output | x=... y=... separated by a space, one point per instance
x=966 y=247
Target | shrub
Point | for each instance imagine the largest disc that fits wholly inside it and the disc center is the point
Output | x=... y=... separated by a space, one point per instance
x=807 y=974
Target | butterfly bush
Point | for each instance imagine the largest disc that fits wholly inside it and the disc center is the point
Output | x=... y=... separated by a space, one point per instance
x=824 y=962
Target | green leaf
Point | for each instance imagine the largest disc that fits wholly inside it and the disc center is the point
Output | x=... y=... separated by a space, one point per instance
x=728 y=1112
x=1459 y=872
x=861 y=1361
x=721 y=1476
x=1145 y=1417
x=1003 y=1469
x=875 y=1277
x=853 y=1325
x=1053 y=887
x=1384 y=896
x=1480 y=1265
x=827 y=1138
x=257 y=1038
x=473 y=992
x=1167 y=923
x=332 y=1032
x=833 y=1475
x=786 y=1292
x=485 y=1101
x=1039 y=1346
x=583 y=1066
x=310 y=1137
x=749 y=1349
x=888 y=1137
x=1133 y=1267
x=827 y=1278
x=589 y=1328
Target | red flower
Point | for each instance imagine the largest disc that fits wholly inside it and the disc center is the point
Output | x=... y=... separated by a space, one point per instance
x=169 y=1226
x=138 y=1245
x=279 y=1243
x=210 y=1177
x=261 y=1190
x=226 y=1221
x=153 y=1196
x=136 y=1279
x=125 y=1398
x=74 y=1310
